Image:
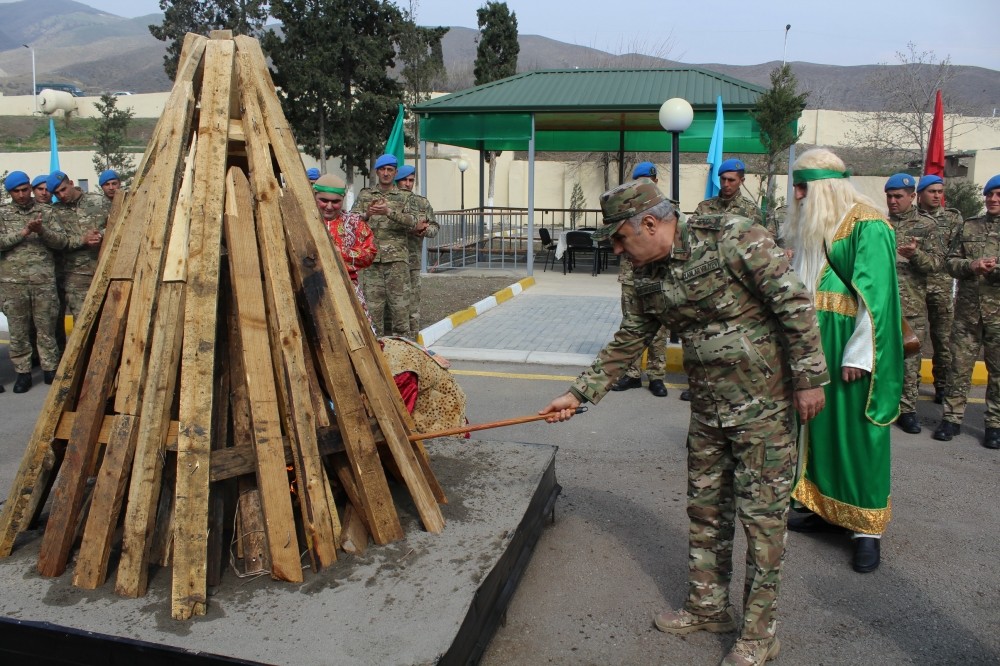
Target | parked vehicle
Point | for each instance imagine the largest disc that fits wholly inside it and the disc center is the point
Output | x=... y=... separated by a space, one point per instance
x=65 y=87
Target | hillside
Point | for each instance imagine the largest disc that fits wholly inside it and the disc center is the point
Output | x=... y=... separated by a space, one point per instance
x=99 y=51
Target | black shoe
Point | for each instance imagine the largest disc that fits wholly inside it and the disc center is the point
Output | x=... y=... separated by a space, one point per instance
x=946 y=430
x=908 y=423
x=48 y=376
x=992 y=439
x=657 y=388
x=686 y=395
x=867 y=554
x=939 y=396
x=626 y=383
x=2 y=389
x=810 y=522
x=23 y=382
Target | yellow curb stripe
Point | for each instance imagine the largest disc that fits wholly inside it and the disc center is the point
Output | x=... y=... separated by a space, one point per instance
x=462 y=316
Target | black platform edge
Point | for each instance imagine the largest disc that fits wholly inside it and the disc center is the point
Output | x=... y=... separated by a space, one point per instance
x=46 y=644
x=490 y=601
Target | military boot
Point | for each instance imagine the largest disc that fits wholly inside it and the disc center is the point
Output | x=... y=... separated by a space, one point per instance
x=48 y=376
x=626 y=383
x=992 y=439
x=23 y=382
x=946 y=430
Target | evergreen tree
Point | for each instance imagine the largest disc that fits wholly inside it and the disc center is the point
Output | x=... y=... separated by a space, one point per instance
x=964 y=195
x=496 y=57
x=775 y=112
x=110 y=134
x=331 y=64
x=243 y=17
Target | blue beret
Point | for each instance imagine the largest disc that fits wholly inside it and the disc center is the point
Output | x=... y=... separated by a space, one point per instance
x=644 y=170
x=105 y=176
x=16 y=179
x=900 y=181
x=992 y=184
x=39 y=180
x=927 y=181
x=54 y=179
x=405 y=171
x=386 y=160
x=312 y=174
x=732 y=165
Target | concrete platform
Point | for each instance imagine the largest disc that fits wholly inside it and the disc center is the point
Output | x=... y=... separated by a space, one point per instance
x=424 y=600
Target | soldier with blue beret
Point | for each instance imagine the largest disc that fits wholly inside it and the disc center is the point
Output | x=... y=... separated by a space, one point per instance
x=312 y=174
x=110 y=184
x=972 y=261
x=427 y=227
x=732 y=173
x=919 y=253
x=644 y=170
x=39 y=190
x=83 y=217
x=753 y=356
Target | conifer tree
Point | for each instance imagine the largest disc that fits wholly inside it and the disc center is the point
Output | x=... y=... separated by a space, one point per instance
x=110 y=134
x=776 y=112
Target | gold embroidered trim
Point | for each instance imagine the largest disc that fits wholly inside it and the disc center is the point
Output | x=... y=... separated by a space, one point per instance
x=856 y=519
x=831 y=301
x=857 y=213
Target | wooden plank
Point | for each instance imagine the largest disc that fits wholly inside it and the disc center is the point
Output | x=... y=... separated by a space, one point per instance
x=161 y=546
x=67 y=493
x=188 y=585
x=319 y=512
x=220 y=441
x=105 y=507
x=248 y=299
x=155 y=429
x=374 y=497
x=175 y=264
x=355 y=536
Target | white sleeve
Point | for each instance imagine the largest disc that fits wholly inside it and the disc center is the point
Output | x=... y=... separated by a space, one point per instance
x=860 y=349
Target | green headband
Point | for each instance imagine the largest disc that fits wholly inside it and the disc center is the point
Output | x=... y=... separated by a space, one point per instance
x=331 y=190
x=800 y=176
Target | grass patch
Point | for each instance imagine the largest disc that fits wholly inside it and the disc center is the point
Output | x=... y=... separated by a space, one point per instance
x=21 y=134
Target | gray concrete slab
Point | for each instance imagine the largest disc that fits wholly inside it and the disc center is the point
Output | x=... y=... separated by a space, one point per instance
x=398 y=604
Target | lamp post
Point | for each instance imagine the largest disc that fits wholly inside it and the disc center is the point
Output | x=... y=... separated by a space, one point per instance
x=784 y=49
x=675 y=116
x=463 y=167
x=34 y=89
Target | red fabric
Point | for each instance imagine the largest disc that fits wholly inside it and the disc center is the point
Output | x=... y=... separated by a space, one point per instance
x=934 y=165
x=355 y=240
x=407 y=384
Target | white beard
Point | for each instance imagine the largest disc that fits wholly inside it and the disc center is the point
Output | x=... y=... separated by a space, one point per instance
x=808 y=263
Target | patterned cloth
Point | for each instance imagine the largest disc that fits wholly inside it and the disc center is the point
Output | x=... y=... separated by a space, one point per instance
x=440 y=401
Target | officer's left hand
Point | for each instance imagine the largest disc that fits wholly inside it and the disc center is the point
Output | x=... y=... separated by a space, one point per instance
x=809 y=402
x=909 y=249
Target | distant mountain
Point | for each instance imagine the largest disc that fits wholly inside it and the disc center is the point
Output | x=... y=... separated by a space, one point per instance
x=98 y=51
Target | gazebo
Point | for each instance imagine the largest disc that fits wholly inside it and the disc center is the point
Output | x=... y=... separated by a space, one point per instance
x=607 y=110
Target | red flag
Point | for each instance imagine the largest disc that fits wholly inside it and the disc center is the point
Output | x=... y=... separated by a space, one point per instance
x=934 y=166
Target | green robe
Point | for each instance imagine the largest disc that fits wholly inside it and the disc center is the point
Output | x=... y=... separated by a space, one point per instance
x=846 y=464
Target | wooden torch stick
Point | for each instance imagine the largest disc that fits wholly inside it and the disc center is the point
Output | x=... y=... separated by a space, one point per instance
x=486 y=426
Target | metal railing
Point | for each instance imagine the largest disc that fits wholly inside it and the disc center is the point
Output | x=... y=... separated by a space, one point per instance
x=497 y=238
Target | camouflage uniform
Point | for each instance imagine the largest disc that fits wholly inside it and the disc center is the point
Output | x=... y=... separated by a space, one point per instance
x=656 y=353
x=28 y=283
x=912 y=274
x=977 y=318
x=750 y=338
x=738 y=205
x=387 y=282
x=415 y=245
x=941 y=298
x=76 y=266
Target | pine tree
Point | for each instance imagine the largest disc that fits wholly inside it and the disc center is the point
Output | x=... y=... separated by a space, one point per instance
x=243 y=17
x=776 y=111
x=496 y=57
x=331 y=64
x=110 y=134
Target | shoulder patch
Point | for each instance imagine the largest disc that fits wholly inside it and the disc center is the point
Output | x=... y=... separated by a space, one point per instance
x=712 y=222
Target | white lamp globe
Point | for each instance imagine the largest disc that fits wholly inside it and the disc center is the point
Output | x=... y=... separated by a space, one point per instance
x=463 y=165
x=676 y=115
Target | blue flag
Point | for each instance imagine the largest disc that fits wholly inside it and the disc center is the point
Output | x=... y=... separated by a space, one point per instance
x=53 y=147
x=714 y=158
x=394 y=146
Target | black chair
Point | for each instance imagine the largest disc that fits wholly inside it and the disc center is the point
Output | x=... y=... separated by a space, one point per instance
x=579 y=242
x=549 y=246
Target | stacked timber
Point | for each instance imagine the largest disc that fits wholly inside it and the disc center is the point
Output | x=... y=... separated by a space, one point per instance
x=222 y=397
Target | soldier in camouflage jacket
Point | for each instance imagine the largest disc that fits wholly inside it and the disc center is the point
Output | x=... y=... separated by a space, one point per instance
x=752 y=351
x=731 y=175
x=81 y=215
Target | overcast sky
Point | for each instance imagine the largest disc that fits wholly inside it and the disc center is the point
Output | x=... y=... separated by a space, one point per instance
x=840 y=32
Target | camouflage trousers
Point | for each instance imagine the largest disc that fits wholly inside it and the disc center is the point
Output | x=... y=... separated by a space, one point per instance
x=75 y=286
x=744 y=471
x=940 y=314
x=26 y=305
x=911 y=366
x=972 y=333
x=656 y=353
x=387 y=290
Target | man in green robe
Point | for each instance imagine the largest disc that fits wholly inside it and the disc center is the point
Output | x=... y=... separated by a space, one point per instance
x=845 y=253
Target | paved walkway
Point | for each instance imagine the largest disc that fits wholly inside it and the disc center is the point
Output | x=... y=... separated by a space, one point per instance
x=561 y=320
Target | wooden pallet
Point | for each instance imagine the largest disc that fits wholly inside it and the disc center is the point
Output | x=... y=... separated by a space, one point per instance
x=221 y=372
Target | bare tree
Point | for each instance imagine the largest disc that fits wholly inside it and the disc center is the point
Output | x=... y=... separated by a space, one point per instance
x=899 y=129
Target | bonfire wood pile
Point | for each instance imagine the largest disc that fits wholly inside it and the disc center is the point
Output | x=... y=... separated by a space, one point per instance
x=221 y=379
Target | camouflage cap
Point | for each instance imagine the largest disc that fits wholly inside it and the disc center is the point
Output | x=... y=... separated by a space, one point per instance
x=625 y=201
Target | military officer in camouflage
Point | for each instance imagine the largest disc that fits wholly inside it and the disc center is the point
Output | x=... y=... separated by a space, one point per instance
x=919 y=254
x=427 y=227
x=940 y=285
x=972 y=260
x=732 y=173
x=391 y=214
x=28 y=295
x=82 y=216
x=752 y=352
x=39 y=190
